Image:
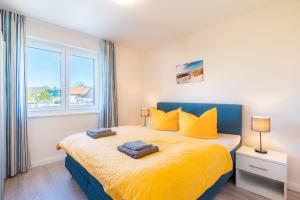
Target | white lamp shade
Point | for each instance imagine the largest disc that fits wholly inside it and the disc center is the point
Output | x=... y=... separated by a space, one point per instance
x=145 y=112
x=260 y=124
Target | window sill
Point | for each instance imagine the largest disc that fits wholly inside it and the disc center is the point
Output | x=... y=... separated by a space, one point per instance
x=59 y=114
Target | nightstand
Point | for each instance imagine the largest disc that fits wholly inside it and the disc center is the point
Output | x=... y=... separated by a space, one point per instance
x=264 y=174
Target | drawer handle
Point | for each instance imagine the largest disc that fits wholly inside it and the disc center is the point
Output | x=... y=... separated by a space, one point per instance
x=264 y=169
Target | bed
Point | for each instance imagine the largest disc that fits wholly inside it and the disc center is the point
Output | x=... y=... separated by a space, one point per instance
x=229 y=124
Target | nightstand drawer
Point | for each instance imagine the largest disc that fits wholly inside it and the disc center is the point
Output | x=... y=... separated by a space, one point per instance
x=261 y=167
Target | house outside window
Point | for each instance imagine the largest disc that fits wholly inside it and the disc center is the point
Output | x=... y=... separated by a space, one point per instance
x=81 y=95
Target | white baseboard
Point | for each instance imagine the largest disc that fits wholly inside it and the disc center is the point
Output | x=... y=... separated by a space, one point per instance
x=47 y=161
x=294 y=186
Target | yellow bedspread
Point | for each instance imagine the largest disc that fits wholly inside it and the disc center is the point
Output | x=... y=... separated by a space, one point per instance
x=183 y=168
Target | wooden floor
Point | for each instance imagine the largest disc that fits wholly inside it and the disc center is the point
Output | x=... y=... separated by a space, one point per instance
x=53 y=182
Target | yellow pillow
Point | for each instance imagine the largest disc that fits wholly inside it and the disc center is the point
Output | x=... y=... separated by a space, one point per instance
x=165 y=121
x=204 y=126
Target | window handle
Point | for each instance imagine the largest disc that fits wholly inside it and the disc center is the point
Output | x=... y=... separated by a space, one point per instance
x=253 y=166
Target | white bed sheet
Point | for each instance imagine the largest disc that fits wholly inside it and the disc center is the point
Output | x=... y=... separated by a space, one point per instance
x=230 y=141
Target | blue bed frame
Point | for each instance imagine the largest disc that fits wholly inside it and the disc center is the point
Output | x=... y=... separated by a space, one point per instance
x=229 y=121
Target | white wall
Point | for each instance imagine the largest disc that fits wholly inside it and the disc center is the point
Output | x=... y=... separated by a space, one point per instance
x=45 y=132
x=129 y=85
x=252 y=60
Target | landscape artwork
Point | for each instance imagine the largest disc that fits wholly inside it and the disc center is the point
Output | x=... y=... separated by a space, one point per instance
x=190 y=72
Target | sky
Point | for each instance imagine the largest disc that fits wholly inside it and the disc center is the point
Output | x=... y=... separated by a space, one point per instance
x=187 y=67
x=43 y=69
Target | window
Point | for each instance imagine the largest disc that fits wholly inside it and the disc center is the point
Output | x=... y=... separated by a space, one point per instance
x=44 y=78
x=61 y=79
x=81 y=81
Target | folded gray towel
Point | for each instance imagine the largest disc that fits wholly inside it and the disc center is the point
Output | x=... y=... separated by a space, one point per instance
x=99 y=130
x=138 y=154
x=99 y=135
x=136 y=145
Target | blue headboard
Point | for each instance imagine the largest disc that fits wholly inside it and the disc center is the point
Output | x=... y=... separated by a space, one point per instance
x=229 y=115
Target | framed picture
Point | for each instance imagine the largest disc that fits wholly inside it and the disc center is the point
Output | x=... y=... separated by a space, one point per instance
x=190 y=72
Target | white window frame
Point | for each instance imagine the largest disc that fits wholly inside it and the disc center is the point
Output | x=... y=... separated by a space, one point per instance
x=66 y=51
x=89 y=55
x=54 y=48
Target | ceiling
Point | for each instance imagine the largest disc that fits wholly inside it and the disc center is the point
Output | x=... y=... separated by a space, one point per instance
x=142 y=24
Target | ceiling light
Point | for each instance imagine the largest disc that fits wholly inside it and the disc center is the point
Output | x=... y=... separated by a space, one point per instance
x=124 y=2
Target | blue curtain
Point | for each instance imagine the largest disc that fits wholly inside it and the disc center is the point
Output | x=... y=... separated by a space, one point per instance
x=108 y=93
x=14 y=34
x=2 y=119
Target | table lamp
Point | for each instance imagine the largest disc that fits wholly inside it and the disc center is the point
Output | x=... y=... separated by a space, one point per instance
x=261 y=125
x=145 y=112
